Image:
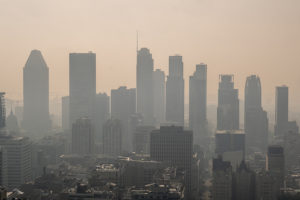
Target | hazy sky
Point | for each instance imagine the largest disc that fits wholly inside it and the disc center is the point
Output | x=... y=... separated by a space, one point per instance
x=239 y=37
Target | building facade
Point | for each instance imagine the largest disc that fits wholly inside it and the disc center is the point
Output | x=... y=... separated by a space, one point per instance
x=83 y=137
x=112 y=137
x=159 y=94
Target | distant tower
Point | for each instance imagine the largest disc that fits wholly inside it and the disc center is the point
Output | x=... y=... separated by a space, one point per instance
x=175 y=91
x=123 y=106
x=2 y=110
x=228 y=104
x=281 y=110
x=256 y=120
x=102 y=114
x=159 y=89
x=144 y=84
x=112 y=137
x=197 y=105
x=65 y=112
x=12 y=124
x=82 y=77
x=36 y=94
x=82 y=137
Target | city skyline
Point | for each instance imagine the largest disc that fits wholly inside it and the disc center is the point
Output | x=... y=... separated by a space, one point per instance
x=201 y=44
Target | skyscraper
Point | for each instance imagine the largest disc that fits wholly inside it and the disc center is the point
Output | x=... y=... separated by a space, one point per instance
x=102 y=114
x=281 y=110
x=175 y=91
x=123 y=106
x=2 y=110
x=175 y=145
x=159 y=94
x=82 y=137
x=144 y=84
x=112 y=137
x=255 y=120
x=228 y=104
x=197 y=105
x=65 y=113
x=36 y=94
x=82 y=77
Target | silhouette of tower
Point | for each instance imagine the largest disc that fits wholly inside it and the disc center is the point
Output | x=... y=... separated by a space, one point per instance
x=36 y=117
x=82 y=86
x=175 y=91
x=144 y=84
x=255 y=120
x=197 y=105
x=159 y=93
x=228 y=104
x=281 y=110
x=2 y=110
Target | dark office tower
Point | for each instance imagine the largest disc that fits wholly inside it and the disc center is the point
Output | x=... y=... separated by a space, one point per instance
x=2 y=110
x=144 y=84
x=228 y=104
x=256 y=120
x=102 y=114
x=82 y=137
x=281 y=110
x=175 y=145
x=123 y=106
x=82 y=77
x=36 y=94
x=197 y=105
x=65 y=118
x=159 y=93
x=112 y=137
x=276 y=165
x=175 y=91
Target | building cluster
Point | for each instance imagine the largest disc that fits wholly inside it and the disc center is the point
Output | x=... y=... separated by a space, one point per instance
x=136 y=143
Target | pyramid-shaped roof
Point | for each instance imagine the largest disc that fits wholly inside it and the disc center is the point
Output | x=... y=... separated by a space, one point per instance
x=35 y=60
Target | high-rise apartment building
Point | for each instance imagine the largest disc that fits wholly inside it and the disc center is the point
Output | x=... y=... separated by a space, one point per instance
x=281 y=110
x=255 y=120
x=2 y=110
x=144 y=84
x=123 y=106
x=36 y=117
x=82 y=91
x=19 y=159
x=159 y=94
x=175 y=91
x=3 y=166
x=112 y=137
x=276 y=164
x=228 y=104
x=83 y=137
x=197 y=105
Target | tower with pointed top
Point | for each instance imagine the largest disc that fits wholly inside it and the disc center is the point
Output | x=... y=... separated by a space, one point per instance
x=36 y=117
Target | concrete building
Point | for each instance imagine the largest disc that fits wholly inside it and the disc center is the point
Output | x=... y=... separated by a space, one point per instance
x=228 y=104
x=12 y=124
x=265 y=187
x=175 y=91
x=276 y=164
x=144 y=85
x=231 y=146
x=159 y=94
x=83 y=137
x=281 y=110
x=18 y=154
x=65 y=113
x=2 y=110
x=123 y=106
x=3 y=167
x=255 y=120
x=112 y=137
x=141 y=140
x=82 y=86
x=36 y=117
x=174 y=145
x=198 y=103
x=222 y=180
x=102 y=114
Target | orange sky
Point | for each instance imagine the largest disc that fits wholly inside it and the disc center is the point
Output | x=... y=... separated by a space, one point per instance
x=239 y=37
